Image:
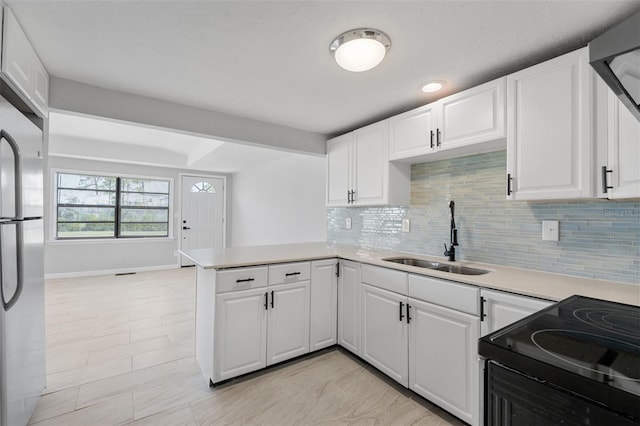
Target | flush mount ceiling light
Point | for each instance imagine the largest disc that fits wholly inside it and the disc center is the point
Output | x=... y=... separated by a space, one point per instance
x=433 y=86
x=360 y=49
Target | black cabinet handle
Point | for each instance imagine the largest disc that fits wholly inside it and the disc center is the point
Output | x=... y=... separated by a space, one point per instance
x=437 y=137
x=431 y=139
x=291 y=274
x=509 y=184
x=266 y=300
x=273 y=302
x=605 y=188
x=408 y=313
x=246 y=280
x=348 y=197
x=185 y=227
x=401 y=315
x=482 y=314
x=353 y=196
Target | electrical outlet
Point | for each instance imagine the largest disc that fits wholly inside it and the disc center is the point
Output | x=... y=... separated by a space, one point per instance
x=550 y=230
x=406 y=225
x=347 y=223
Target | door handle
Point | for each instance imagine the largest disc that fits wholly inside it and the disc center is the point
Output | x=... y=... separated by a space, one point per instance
x=185 y=227
x=8 y=304
x=273 y=301
x=401 y=315
x=17 y=170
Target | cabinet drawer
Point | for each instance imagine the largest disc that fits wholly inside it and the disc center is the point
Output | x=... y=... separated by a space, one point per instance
x=241 y=279
x=289 y=272
x=460 y=297
x=387 y=279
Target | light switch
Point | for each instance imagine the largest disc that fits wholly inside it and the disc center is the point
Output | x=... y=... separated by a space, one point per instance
x=406 y=225
x=550 y=230
x=347 y=223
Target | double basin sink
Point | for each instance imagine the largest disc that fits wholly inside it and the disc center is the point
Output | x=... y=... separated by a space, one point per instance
x=436 y=266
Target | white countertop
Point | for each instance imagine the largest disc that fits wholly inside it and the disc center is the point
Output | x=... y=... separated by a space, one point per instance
x=522 y=281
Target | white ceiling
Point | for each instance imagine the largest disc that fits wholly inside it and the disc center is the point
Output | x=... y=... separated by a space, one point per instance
x=269 y=60
x=92 y=138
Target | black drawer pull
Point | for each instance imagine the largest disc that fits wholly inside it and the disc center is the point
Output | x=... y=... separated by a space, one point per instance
x=246 y=280
x=291 y=274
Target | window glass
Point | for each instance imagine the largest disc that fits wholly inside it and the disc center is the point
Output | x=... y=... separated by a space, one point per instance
x=90 y=206
x=203 y=187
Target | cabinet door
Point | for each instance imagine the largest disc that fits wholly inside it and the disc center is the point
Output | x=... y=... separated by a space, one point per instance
x=339 y=168
x=623 y=151
x=324 y=304
x=371 y=168
x=240 y=333
x=40 y=92
x=442 y=358
x=288 y=330
x=502 y=309
x=349 y=306
x=413 y=132
x=17 y=54
x=549 y=139
x=384 y=332
x=473 y=116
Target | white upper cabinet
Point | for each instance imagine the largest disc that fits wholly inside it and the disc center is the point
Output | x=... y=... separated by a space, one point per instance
x=359 y=172
x=458 y=122
x=21 y=65
x=620 y=171
x=473 y=116
x=412 y=133
x=549 y=138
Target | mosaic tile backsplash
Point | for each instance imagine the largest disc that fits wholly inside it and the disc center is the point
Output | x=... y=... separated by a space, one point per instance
x=598 y=239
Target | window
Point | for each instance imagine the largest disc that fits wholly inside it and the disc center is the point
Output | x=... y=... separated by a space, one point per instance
x=92 y=206
x=203 y=187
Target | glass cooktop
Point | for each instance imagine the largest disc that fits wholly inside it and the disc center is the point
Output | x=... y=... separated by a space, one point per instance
x=595 y=339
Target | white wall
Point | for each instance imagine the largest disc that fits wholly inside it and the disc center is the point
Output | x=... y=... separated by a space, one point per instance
x=281 y=202
x=69 y=258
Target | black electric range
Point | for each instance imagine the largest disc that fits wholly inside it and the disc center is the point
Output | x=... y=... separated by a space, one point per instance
x=575 y=362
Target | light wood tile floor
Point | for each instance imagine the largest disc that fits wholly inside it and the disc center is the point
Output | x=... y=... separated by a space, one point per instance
x=120 y=351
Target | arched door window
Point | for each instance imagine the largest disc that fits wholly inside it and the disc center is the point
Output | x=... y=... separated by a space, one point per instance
x=203 y=187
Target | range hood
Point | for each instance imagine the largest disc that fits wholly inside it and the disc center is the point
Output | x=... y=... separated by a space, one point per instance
x=615 y=56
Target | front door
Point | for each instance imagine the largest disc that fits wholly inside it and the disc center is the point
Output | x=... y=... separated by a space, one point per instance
x=202 y=221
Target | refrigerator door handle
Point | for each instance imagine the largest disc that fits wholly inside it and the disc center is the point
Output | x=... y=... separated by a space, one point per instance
x=8 y=304
x=17 y=169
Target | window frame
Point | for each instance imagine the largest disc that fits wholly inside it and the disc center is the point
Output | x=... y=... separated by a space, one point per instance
x=118 y=206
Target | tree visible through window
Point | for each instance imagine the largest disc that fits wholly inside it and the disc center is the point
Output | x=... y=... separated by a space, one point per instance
x=203 y=187
x=92 y=206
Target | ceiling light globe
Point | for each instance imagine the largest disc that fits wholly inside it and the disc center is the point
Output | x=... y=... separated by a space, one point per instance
x=360 y=50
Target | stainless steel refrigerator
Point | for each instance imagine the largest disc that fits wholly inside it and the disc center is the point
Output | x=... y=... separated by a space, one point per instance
x=22 y=329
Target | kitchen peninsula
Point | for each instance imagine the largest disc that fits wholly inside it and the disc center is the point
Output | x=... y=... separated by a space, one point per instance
x=260 y=306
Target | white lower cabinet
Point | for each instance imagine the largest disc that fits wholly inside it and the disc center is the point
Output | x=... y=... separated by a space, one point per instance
x=501 y=309
x=240 y=333
x=288 y=322
x=323 y=331
x=257 y=327
x=349 y=306
x=384 y=332
x=443 y=367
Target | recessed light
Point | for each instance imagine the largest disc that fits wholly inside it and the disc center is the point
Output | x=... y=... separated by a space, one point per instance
x=360 y=49
x=434 y=86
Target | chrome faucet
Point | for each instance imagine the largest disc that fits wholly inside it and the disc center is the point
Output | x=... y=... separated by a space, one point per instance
x=451 y=251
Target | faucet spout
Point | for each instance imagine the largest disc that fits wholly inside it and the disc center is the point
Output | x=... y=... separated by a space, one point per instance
x=453 y=238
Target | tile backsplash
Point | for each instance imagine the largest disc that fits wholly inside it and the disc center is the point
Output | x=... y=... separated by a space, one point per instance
x=598 y=239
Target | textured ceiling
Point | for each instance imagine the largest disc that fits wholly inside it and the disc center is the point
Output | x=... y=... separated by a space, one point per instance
x=269 y=60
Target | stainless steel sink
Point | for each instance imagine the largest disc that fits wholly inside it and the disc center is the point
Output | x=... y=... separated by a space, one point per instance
x=437 y=266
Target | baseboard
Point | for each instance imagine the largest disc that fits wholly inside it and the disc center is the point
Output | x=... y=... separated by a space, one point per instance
x=109 y=272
